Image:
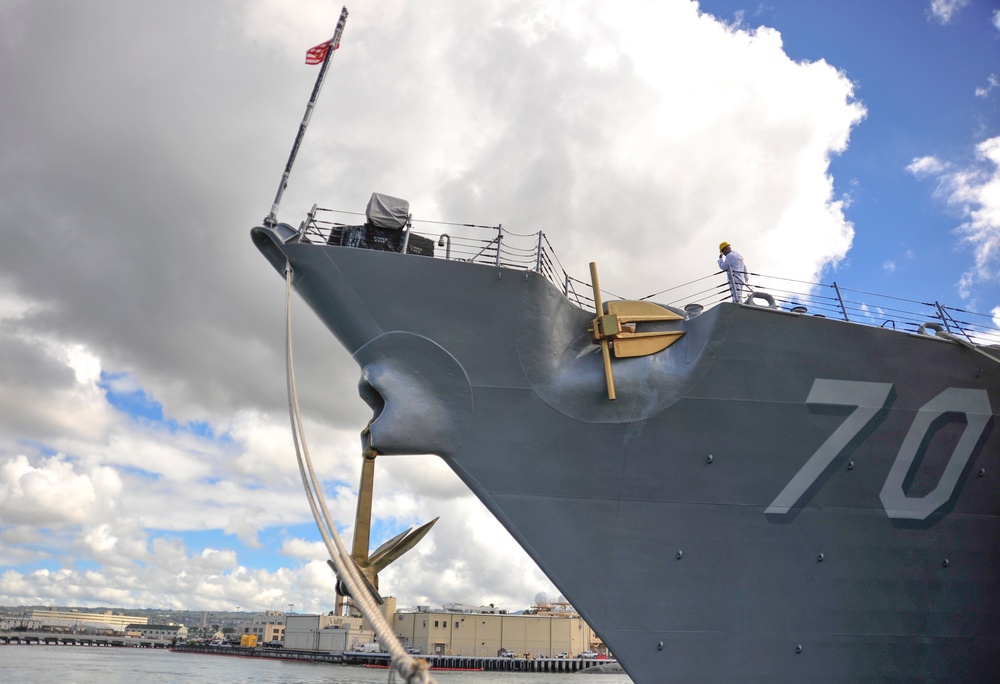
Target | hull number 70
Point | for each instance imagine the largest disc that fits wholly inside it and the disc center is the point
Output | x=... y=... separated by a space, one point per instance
x=869 y=398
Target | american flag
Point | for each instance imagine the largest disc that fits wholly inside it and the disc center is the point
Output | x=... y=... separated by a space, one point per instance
x=316 y=55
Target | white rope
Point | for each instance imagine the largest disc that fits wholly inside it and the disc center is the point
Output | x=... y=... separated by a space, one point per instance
x=412 y=670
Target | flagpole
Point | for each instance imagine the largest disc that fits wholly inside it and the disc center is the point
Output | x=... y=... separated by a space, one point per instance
x=334 y=43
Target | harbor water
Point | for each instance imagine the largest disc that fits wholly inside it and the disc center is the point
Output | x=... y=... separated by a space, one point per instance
x=42 y=664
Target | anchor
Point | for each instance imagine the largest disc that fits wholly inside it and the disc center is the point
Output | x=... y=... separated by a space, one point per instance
x=616 y=329
x=370 y=565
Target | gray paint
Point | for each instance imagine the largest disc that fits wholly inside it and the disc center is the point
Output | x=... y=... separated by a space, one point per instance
x=492 y=369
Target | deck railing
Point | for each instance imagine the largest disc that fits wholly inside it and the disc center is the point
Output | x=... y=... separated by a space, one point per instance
x=496 y=246
x=491 y=245
x=869 y=308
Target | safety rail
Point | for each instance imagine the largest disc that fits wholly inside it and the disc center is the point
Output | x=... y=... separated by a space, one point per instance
x=496 y=246
x=491 y=245
x=868 y=308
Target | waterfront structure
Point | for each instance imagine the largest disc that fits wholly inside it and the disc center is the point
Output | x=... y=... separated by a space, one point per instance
x=73 y=619
x=167 y=632
x=267 y=626
x=453 y=630
x=21 y=622
x=326 y=633
x=486 y=633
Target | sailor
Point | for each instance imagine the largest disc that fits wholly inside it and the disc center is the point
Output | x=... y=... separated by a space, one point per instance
x=731 y=262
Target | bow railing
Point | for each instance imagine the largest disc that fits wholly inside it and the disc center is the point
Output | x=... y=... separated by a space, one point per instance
x=497 y=246
x=470 y=242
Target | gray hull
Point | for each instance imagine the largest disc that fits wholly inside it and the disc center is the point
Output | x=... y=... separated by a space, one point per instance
x=774 y=498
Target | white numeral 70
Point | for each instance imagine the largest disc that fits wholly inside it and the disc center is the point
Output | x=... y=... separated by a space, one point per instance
x=869 y=398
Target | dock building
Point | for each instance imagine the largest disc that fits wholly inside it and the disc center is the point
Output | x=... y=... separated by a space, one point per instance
x=76 y=620
x=453 y=630
x=268 y=626
x=486 y=632
x=328 y=633
x=165 y=632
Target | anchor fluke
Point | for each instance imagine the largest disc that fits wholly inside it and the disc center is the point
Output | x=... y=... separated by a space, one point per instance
x=627 y=342
x=616 y=329
x=397 y=546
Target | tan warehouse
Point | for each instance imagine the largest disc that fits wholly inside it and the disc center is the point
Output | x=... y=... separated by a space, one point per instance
x=267 y=626
x=486 y=634
x=326 y=633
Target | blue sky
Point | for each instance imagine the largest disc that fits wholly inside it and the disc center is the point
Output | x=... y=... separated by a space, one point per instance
x=145 y=450
x=929 y=84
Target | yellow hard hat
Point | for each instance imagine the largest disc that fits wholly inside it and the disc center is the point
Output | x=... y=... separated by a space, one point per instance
x=723 y=246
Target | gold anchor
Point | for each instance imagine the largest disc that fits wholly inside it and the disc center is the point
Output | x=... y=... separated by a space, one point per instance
x=370 y=565
x=617 y=329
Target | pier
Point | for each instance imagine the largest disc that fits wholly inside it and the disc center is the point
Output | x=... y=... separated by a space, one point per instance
x=437 y=662
x=490 y=664
x=68 y=639
x=262 y=652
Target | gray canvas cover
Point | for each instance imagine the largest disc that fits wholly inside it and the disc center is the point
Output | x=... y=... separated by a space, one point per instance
x=387 y=212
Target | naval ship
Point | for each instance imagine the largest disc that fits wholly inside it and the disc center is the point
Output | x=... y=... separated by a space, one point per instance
x=783 y=484
x=789 y=487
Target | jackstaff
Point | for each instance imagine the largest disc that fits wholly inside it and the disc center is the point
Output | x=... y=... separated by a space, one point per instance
x=322 y=52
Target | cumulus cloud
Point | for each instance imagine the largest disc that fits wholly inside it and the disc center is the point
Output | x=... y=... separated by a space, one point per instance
x=977 y=191
x=54 y=492
x=945 y=10
x=49 y=388
x=991 y=82
x=171 y=580
x=301 y=548
x=974 y=191
x=436 y=567
x=926 y=166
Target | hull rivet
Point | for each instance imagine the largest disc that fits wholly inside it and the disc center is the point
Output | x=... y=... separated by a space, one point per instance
x=710 y=458
x=850 y=466
x=680 y=554
x=982 y=471
x=798 y=649
x=820 y=558
x=945 y=563
x=659 y=646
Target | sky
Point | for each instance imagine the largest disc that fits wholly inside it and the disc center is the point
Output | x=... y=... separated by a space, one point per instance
x=146 y=457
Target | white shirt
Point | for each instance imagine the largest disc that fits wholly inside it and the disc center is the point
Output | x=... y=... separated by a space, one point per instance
x=733 y=263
